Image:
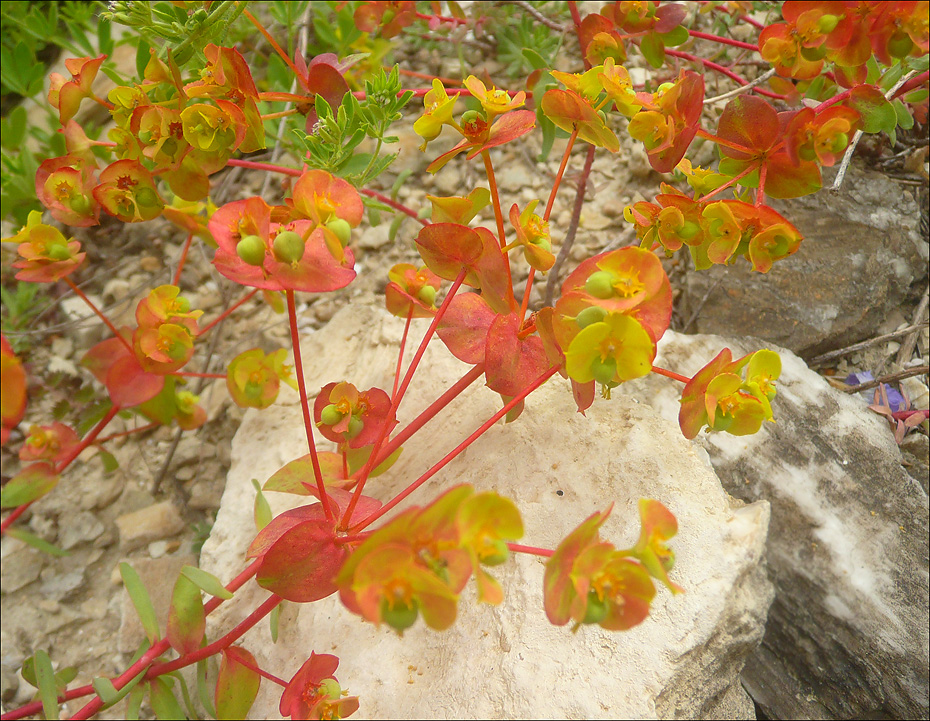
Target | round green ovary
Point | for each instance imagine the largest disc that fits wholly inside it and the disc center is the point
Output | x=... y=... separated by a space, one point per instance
x=341 y=229
x=288 y=247
x=400 y=616
x=600 y=284
x=604 y=371
x=596 y=610
x=593 y=314
x=330 y=415
x=251 y=249
x=427 y=294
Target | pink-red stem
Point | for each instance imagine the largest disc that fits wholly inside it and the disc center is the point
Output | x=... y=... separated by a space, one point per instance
x=394 y=204
x=518 y=548
x=724 y=41
x=222 y=316
x=670 y=374
x=106 y=321
x=400 y=353
x=183 y=259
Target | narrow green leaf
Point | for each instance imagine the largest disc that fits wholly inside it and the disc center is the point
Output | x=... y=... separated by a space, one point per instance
x=207 y=582
x=186 y=617
x=135 y=702
x=105 y=690
x=164 y=703
x=110 y=463
x=916 y=96
x=237 y=684
x=203 y=693
x=37 y=543
x=30 y=484
x=273 y=619
x=141 y=600
x=142 y=58
x=675 y=37
x=905 y=119
x=45 y=680
x=535 y=59
x=262 y=511
x=653 y=50
x=185 y=694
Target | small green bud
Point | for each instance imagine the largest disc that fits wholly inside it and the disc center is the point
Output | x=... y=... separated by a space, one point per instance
x=827 y=23
x=469 y=116
x=600 y=284
x=604 y=371
x=356 y=425
x=184 y=305
x=80 y=204
x=593 y=314
x=596 y=610
x=331 y=415
x=427 y=294
x=663 y=87
x=688 y=230
x=399 y=616
x=58 y=251
x=900 y=45
x=814 y=54
x=288 y=247
x=251 y=249
x=500 y=555
x=839 y=142
x=147 y=198
x=330 y=688
x=806 y=152
x=341 y=229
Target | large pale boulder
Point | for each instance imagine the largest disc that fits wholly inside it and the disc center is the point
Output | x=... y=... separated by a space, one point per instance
x=847 y=635
x=559 y=467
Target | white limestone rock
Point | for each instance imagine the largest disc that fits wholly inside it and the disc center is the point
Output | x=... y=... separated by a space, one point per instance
x=847 y=635
x=508 y=661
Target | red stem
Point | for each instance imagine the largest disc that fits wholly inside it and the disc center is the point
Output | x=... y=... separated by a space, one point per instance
x=443 y=18
x=262 y=672
x=701 y=133
x=192 y=374
x=914 y=82
x=400 y=353
x=17 y=512
x=558 y=177
x=760 y=193
x=223 y=642
x=495 y=199
x=395 y=402
x=222 y=316
x=730 y=182
x=724 y=41
x=723 y=71
x=453 y=453
x=106 y=321
x=305 y=406
x=430 y=412
x=187 y=245
x=140 y=429
x=671 y=374
x=264 y=166
x=394 y=204
x=518 y=548
x=278 y=49
x=425 y=76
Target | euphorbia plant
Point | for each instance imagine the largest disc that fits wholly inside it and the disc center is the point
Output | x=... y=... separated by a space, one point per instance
x=192 y=113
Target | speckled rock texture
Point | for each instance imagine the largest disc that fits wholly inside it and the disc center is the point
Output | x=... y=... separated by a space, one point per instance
x=509 y=662
x=847 y=635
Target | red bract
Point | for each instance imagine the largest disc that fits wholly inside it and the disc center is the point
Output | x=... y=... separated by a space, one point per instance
x=389 y=17
x=127 y=191
x=48 y=443
x=254 y=379
x=13 y=383
x=823 y=137
x=411 y=292
x=347 y=416
x=657 y=526
x=47 y=255
x=331 y=203
x=313 y=692
x=65 y=186
x=114 y=365
x=248 y=254
x=479 y=137
x=66 y=95
x=569 y=110
x=600 y=40
x=669 y=123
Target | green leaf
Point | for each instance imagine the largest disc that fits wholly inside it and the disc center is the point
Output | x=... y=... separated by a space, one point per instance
x=674 y=37
x=873 y=71
x=905 y=119
x=203 y=692
x=37 y=543
x=237 y=684
x=916 y=96
x=273 y=620
x=142 y=58
x=14 y=128
x=877 y=113
x=653 y=49
x=105 y=690
x=185 y=694
x=816 y=87
x=262 y=510
x=891 y=76
x=141 y=600
x=135 y=702
x=207 y=582
x=535 y=59
x=164 y=703
x=45 y=681
x=30 y=484
x=110 y=463
x=186 y=617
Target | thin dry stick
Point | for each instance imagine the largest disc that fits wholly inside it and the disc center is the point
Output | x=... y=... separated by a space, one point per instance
x=844 y=166
x=742 y=89
x=821 y=359
x=700 y=306
x=572 y=229
x=539 y=16
x=890 y=378
x=910 y=342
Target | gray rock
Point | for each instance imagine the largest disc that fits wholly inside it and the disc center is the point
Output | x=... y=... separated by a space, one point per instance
x=847 y=634
x=139 y=528
x=21 y=564
x=81 y=527
x=158 y=575
x=682 y=662
x=862 y=256
x=372 y=238
x=57 y=585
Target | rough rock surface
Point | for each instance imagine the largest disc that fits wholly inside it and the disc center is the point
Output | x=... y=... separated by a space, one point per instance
x=860 y=259
x=847 y=635
x=682 y=662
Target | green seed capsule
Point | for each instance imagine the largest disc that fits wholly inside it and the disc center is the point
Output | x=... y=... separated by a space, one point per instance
x=356 y=425
x=330 y=688
x=427 y=294
x=80 y=204
x=147 y=198
x=469 y=116
x=331 y=415
x=500 y=555
x=58 y=251
x=900 y=45
x=600 y=284
x=288 y=247
x=593 y=314
x=806 y=152
x=596 y=610
x=688 y=230
x=184 y=305
x=814 y=54
x=839 y=142
x=400 y=616
x=604 y=371
x=251 y=249
x=827 y=23
x=341 y=229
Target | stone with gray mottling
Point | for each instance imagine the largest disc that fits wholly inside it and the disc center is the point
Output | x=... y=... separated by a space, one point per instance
x=559 y=467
